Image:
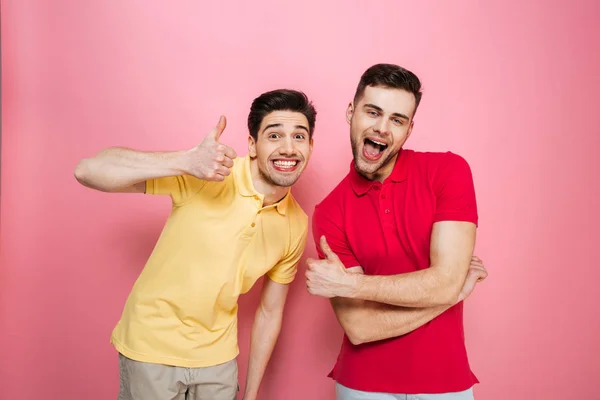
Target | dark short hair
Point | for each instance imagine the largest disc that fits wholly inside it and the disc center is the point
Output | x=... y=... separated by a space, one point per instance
x=389 y=76
x=280 y=100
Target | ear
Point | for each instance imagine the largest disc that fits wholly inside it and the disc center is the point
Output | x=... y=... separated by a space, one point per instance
x=349 y=112
x=251 y=147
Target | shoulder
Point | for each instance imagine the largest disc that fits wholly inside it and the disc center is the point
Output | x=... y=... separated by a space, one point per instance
x=295 y=212
x=439 y=165
x=297 y=220
x=241 y=168
x=437 y=159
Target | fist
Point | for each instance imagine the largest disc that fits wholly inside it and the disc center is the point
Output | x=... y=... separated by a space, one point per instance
x=211 y=160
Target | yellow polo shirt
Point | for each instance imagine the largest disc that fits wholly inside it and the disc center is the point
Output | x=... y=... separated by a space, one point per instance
x=217 y=242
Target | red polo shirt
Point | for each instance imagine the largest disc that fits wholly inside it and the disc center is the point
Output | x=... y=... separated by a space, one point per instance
x=386 y=229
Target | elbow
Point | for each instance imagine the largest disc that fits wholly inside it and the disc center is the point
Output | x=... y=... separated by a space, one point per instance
x=82 y=172
x=355 y=331
x=356 y=338
x=85 y=174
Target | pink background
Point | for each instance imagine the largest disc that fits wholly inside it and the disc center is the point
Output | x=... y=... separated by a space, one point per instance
x=513 y=88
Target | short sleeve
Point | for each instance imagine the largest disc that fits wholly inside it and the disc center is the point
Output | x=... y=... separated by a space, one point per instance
x=285 y=271
x=455 y=191
x=181 y=188
x=325 y=224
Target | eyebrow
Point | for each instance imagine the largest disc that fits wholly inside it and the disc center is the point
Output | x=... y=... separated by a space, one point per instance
x=280 y=125
x=381 y=109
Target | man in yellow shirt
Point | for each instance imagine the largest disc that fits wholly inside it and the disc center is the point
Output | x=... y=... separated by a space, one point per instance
x=233 y=220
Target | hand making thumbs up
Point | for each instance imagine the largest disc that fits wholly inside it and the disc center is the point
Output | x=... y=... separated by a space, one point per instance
x=328 y=277
x=211 y=160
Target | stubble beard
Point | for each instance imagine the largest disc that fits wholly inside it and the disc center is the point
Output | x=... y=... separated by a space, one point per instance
x=367 y=169
x=283 y=181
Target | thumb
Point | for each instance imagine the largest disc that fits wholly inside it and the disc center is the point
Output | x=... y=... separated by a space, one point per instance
x=218 y=130
x=327 y=250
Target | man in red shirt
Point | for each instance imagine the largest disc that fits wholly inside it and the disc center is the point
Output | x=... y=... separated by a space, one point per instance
x=395 y=241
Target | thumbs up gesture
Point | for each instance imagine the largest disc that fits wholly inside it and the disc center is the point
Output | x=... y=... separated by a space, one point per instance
x=328 y=277
x=211 y=159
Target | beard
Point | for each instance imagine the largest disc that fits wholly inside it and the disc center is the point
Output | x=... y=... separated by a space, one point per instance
x=275 y=179
x=368 y=169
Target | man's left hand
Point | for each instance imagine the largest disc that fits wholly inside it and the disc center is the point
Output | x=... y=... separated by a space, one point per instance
x=328 y=277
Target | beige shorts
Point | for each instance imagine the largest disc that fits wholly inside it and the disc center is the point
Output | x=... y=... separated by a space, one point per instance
x=145 y=381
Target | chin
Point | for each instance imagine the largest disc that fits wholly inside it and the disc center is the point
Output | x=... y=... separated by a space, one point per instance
x=365 y=167
x=283 y=180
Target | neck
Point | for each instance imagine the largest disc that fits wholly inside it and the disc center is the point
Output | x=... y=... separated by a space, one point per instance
x=272 y=193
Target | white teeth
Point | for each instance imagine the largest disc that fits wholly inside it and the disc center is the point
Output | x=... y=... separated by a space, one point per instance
x=379 y=143
x=285 y=164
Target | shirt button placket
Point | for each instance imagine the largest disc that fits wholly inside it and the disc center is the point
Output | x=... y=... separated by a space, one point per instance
x=259 y=203
x=384 y=202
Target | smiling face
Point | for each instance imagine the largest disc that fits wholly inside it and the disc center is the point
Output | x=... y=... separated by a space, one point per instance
x=380 y=122
x=281 y=149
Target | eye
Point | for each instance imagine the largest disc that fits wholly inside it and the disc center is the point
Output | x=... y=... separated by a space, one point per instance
x=372 y=113
x=299 y=136
x=398 y=121
x=273 y=135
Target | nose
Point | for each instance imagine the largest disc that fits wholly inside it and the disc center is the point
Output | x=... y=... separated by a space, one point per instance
x=287 y=147
x=382 y=126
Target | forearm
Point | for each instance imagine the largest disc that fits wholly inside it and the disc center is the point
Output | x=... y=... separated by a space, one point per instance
x=425 y=288
x=265 y=332
x=366 y=321
x=116 y=168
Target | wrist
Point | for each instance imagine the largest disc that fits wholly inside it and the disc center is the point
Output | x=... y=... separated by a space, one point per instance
x=351 y=286
x=180 y=162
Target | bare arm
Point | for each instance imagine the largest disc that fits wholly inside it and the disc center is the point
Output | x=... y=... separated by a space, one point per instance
x=265 y=331
x=366 y=321
x=452 y=245
x=125 y=170
x=120 y=169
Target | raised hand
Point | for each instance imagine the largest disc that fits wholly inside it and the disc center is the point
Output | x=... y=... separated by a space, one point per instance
x=476 y=274
x=211 y=160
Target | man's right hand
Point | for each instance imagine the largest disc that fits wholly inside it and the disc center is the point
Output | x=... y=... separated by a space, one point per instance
x=477 y=273
x=211 y=160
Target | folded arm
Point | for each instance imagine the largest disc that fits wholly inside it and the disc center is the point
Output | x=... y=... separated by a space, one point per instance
x=452 y=245
x=367 y=321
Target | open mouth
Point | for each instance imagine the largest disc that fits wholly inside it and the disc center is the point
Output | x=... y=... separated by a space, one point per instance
x=373 y=149
x=285 y=165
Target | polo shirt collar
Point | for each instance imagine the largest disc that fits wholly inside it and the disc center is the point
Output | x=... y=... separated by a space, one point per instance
x=243 y=177
x=362 y=185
